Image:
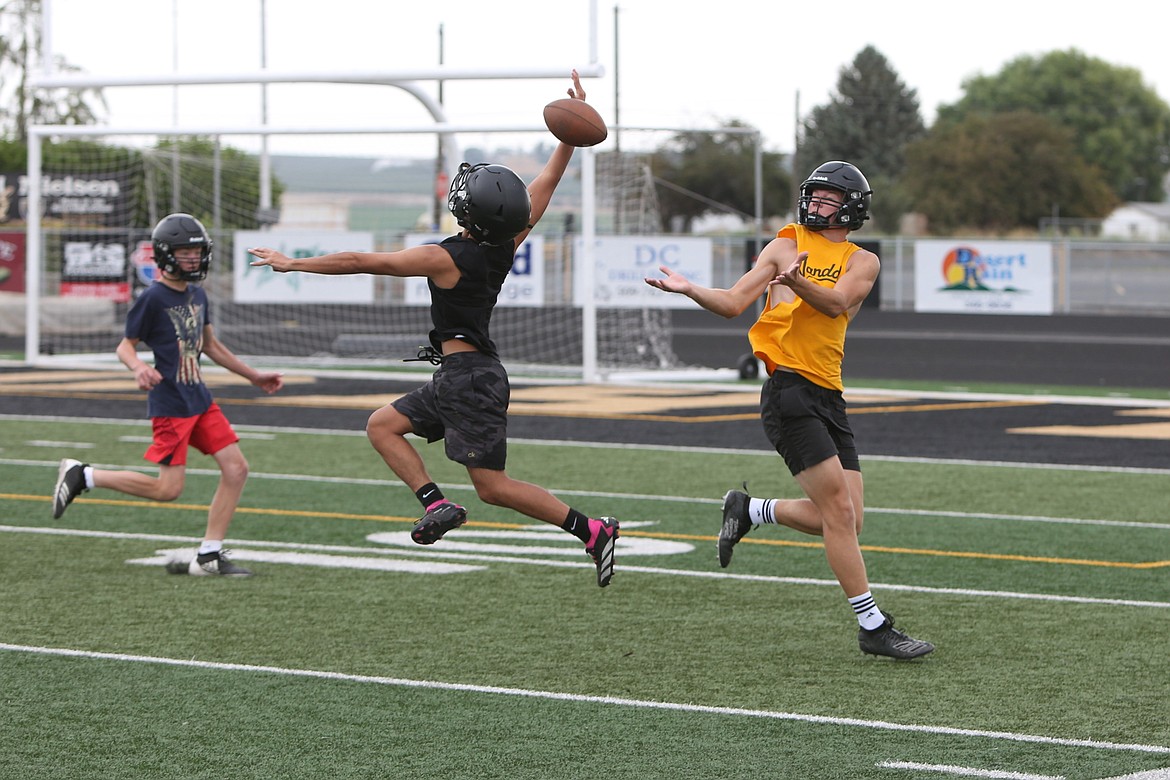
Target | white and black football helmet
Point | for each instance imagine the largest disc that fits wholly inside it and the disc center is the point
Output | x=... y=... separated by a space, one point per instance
x=176 y=231
x=846 y=179
x=490 y=201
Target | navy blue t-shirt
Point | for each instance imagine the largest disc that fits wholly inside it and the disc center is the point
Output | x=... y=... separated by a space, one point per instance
x=171 y=323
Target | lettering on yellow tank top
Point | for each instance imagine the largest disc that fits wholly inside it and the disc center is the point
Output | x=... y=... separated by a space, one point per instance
x=794 y=335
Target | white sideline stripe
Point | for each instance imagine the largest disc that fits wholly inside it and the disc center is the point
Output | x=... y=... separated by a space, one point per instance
x=765 y=453
x=572 y=697
x=720 y=575
x=631 y=497
x=965 y=771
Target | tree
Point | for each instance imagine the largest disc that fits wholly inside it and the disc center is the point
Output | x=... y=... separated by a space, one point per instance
x=1002 y=172
x=21 y=53
x=698 y=173
x=1117 y=123
x=868 y=121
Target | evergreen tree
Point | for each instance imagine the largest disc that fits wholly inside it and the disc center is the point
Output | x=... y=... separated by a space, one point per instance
x=868 y=121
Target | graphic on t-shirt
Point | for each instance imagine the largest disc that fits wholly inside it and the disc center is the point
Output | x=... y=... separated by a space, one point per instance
x=188 y=320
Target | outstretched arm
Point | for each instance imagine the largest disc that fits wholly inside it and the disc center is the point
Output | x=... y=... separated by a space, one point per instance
x=734 y=300
x=429 y=260
x=541 y=190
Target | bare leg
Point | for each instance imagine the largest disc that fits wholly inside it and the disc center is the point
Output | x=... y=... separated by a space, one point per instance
x=829 y=491
x=233 y=475
x=386 y=430
x=498 y=489
x=802 y=514
x=167 y=486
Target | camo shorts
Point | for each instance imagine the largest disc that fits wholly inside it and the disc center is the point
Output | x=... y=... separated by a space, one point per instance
x=465 y=403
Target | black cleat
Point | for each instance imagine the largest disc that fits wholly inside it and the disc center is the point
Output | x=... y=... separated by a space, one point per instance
x=438 y=521
x=889 y=641
x=603 y=534
x=216 y=563
x=736 y=523
x=70 y=485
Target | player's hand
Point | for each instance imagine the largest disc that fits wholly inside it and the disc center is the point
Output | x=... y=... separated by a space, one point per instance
x=792 y=274
x=146 y=377
x=673 y=283
x=577 y=92
x=269 y=383
x=269 y=257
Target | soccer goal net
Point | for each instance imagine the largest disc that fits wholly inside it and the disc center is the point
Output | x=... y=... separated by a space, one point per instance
x=99 y=201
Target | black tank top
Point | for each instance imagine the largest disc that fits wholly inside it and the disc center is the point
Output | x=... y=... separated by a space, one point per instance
x=465 y=311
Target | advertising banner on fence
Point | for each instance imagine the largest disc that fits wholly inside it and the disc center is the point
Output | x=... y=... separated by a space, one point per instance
x=95 y=199
x=523 y=287
x=263 y=285
x=621 y=263
x=94 y=267
x=983 y=277
x=12 y=262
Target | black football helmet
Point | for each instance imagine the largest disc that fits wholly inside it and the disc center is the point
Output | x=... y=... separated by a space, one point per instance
x=846 y=179
x=490 y=201
x=176 y=231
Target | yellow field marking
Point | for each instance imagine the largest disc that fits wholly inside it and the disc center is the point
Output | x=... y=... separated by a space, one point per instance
x=84 y=384
x=612 y=402
x=362 y=402
x=951 y=407
x=631 y=532
x=1151 y=431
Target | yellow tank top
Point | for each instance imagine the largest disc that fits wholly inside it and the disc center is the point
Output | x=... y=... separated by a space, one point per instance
x=795 y=335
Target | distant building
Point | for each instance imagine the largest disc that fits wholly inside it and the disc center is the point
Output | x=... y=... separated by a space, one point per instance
x=1138 y=222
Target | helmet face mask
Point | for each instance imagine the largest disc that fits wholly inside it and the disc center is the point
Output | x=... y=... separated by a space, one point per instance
x=490 y=202
x=177 y=231
x=841 y=177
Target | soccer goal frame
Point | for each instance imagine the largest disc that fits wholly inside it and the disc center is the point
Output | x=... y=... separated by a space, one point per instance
x=401 y=79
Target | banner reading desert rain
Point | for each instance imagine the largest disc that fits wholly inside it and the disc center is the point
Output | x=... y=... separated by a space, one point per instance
x=983 y=277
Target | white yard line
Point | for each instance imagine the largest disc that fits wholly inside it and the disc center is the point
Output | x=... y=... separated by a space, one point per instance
x=608 y=700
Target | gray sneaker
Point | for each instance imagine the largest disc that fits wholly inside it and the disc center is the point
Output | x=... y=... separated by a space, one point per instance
x=70 y=485
x=735 y=523
x=889 y=641
x=216 y=563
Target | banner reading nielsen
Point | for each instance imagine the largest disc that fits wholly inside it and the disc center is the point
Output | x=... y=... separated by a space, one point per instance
x=983 y=277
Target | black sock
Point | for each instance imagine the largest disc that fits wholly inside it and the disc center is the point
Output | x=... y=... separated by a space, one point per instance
x=429 y=494
x=577 y=524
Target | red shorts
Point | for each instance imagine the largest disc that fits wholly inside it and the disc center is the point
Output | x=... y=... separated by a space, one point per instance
x=209 y=433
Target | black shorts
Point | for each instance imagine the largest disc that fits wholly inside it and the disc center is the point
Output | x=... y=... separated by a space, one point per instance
x=806 y=423
x=466 y=403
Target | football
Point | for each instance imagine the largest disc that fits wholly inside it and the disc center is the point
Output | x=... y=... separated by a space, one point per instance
x=575 y=122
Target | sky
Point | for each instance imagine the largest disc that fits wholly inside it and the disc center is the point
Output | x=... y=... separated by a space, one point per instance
x=678 y=65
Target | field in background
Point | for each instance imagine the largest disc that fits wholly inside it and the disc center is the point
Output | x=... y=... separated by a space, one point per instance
x=493 y=654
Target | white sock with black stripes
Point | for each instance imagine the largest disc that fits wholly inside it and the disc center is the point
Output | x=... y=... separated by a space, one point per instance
x=869 y=616
x=760 y=511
